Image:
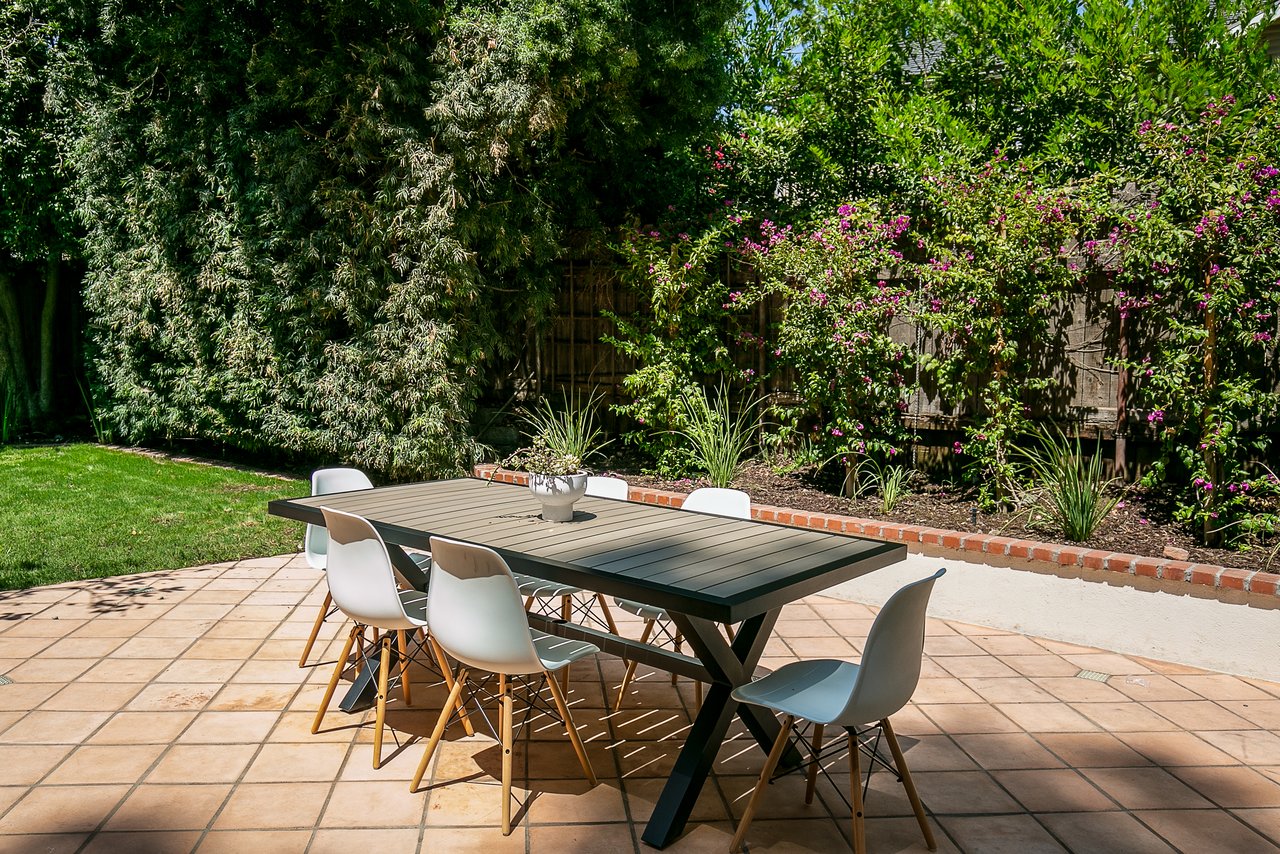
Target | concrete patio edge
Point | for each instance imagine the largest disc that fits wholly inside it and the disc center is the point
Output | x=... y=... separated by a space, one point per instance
x=1253 y=587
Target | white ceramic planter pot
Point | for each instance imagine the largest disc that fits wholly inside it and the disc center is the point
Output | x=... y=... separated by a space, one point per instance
x=558 y=492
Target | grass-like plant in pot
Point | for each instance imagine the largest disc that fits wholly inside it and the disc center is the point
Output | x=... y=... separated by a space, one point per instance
x=560 y=442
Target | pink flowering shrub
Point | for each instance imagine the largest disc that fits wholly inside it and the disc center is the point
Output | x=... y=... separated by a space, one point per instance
x=992 y=272
x=835 y=282
x=681 y=340
x=1200 y=285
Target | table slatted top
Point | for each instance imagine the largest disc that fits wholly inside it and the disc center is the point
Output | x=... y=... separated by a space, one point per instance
x=704 y=565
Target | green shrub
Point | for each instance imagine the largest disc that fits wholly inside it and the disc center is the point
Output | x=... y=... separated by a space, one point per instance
x=719 y=440
x=325 y=231
x=1070 y=491
x=886 y=480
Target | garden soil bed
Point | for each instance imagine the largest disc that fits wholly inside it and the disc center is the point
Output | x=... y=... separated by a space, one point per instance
x=1142 y=526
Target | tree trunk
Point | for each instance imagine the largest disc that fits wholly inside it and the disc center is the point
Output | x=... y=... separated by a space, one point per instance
x=1122 y=401
x=1212 y=463
x=47 y=317
x=11 y=331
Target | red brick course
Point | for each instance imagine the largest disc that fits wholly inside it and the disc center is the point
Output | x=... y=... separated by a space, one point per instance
x=1148 y=567
x=1207 y=575
x=1265 y=583
x=1234 y=579
x=1094 y=559
x=1071 y=555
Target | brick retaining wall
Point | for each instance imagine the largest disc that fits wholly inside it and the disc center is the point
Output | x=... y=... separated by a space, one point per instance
x=1199 y=574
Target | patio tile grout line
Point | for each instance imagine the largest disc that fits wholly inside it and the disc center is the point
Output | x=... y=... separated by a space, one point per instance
x=1080 y=773
x=351 y=744
x=617 y=762
x=1199 y=694
x=234 y=786
x=84 y=743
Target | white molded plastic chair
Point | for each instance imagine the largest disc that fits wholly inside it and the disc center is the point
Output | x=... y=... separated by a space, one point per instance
x=719 y=502
x=827 y=692
x=327 y=482
x=608 y=487
x=475 y=614
x=713 y=500
x=363 y=585
x=316 y=540
x=539 y=588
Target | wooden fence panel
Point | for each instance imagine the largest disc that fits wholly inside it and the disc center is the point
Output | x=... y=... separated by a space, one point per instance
x=1075 y=353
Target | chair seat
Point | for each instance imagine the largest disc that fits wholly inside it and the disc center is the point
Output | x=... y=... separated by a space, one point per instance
x=814 y=690
x=557 y=652
x=641 y=610
x=422 y=559
x=415 y=605
x=541 y=588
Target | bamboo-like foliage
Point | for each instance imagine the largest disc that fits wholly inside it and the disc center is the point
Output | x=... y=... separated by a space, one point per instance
x=318 y=228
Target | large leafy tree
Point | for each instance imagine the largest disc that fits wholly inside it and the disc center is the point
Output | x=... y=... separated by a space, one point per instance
x=316 y=227
x=36 y=231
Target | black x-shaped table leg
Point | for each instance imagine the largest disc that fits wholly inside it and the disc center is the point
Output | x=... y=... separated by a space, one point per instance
x=362 y=694
x=728 y=666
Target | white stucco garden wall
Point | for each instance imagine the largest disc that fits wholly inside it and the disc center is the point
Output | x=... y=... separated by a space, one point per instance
x=1163 y=623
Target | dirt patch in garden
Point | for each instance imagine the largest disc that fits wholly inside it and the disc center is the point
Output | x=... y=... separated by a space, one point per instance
x=1142 y=525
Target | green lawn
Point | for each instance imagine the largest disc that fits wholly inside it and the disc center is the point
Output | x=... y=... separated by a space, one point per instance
x=84 y=511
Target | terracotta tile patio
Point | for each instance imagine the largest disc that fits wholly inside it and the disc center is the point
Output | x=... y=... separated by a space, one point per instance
x=166 y=713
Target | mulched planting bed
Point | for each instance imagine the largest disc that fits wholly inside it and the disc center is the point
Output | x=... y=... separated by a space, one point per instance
x=1142 y=526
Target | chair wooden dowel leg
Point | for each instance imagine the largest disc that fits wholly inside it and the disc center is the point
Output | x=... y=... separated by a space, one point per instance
x=900 y=762
x=855 y=797
x=574 y=737
x=608 y=615
x=779 y=746
x=678 y=642
x=443 y=662
x=315 y=630
x=384 y=673
x=697 y=694
x=403 y=643
x=337 y=674
x=814 y=764
x=649 y=626
x=507 y=715
x=455 y=692
x=566 y=614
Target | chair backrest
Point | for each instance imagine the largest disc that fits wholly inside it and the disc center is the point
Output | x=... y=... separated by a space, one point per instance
x=360 y=576
x=474 y=609
x=721 y=502
x=890 y=666
x=326 y=482
x=608 y=487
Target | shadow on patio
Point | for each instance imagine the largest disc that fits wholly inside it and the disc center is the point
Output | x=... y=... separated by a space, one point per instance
x=166 y=712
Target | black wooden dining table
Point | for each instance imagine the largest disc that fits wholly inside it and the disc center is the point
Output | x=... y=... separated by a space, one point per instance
x=704 y=570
